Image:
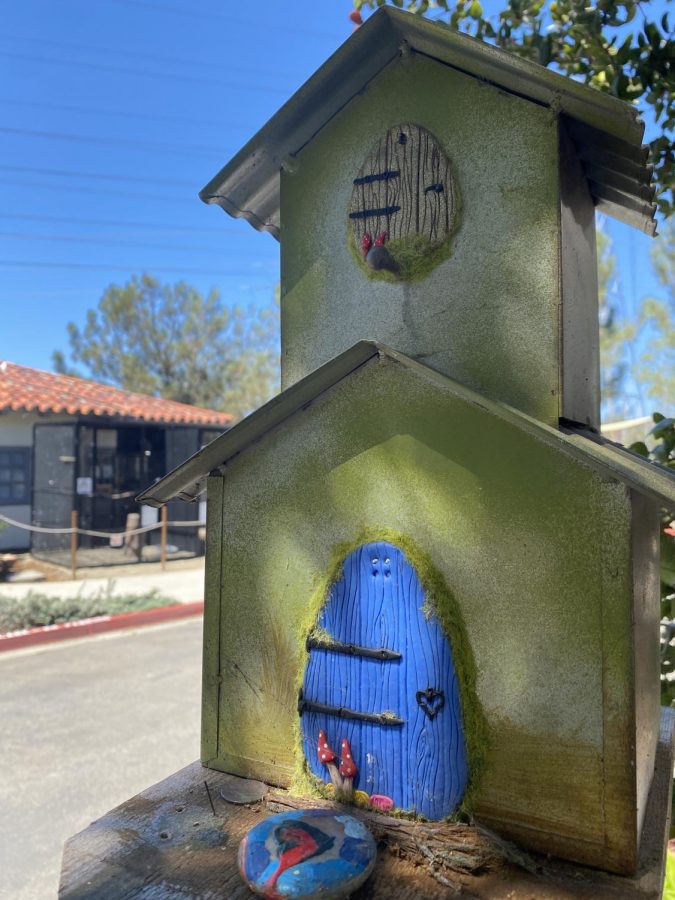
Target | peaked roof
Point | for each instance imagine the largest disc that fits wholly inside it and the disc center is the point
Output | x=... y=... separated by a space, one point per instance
x=31 y=390
x=607 y=132
x=188 y=480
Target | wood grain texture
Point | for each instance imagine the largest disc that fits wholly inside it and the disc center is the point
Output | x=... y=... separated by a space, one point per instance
x=178 y=840
x=212 y=608
x=458 y=847
x=421 y=764
x=405 y=187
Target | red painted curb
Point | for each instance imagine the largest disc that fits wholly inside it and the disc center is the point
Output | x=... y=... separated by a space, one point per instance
x=30 y=637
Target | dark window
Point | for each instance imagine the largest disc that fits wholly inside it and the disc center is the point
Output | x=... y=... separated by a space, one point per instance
x=206 y=435
x=14 y=475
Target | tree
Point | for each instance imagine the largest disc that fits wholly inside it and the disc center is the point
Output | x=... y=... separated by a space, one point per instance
x=613 y=45
x=614 y=333
x=637 y=359
x=170 y=341
x=663 y=433
x=657 y=318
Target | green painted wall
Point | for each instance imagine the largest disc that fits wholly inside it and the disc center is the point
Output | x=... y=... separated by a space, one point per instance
x=535 y=548
x=488 y=315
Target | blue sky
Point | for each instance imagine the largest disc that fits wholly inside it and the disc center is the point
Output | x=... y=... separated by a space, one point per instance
x=113 y=115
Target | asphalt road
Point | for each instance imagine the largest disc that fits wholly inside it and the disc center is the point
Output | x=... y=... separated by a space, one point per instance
x=84 y=726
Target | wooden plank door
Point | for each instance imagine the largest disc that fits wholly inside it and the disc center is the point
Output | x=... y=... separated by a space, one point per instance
x=381 y=674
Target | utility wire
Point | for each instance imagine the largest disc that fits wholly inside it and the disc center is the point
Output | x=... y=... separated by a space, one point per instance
x=99 y=176
x=106 y=242
x=142 y=54
x=116 y=223
x=100 y=191
x=145 y=73
x=135 y=145
x=102 y=267
x=221 y=17
x=114 y=113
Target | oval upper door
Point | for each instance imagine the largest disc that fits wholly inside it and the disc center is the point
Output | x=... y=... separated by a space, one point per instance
x=404 y=205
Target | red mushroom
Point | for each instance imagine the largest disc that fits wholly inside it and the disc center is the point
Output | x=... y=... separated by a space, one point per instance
x=328 y=756
x=376 y=255
x=366 y=244
x=348 y=768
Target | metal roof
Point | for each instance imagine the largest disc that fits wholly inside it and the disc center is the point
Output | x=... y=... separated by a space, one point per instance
x=188 y=481
x=607 y=132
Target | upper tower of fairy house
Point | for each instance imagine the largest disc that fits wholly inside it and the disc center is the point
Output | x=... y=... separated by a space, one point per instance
x=437 y=194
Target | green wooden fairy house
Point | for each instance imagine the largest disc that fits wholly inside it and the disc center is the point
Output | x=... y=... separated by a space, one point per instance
x=421 y=549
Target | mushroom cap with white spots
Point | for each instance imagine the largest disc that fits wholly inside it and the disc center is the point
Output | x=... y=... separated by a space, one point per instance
x=325 y=752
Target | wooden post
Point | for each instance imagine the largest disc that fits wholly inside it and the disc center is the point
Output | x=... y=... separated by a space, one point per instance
x=73 y=543
x=163 y=544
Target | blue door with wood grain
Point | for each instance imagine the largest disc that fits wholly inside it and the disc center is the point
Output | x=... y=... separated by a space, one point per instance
x=381 y=674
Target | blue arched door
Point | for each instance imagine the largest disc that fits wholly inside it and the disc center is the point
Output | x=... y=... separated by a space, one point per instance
x=381 y=674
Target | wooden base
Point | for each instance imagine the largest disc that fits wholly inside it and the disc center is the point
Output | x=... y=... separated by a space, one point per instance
x=179 y=838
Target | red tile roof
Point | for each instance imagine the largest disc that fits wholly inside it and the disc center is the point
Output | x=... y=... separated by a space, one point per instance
x=33 y=390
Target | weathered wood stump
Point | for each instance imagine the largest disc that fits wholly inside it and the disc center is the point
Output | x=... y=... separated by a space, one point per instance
x=180 y=839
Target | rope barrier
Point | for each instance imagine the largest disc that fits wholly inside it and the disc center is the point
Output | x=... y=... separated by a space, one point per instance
x=41 y=529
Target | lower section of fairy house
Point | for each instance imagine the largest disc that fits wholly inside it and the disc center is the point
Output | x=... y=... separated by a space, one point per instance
x=515 y=667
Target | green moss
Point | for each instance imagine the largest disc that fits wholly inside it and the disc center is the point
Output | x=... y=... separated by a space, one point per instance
x=276 y=695
x=415 y=255
x=439 y=601
x=320 y=634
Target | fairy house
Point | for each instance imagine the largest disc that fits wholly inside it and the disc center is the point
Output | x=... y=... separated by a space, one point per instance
x=421 y=546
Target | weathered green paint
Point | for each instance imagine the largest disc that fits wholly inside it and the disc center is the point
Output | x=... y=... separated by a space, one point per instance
x=549 y=620
x=489 y=314
x=211 y=645
x=646 y=528
x=609 y=459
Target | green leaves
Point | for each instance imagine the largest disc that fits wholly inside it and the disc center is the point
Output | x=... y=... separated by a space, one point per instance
x=664 y=453
x=664 y=433
x=36 y=609
x=588 y=41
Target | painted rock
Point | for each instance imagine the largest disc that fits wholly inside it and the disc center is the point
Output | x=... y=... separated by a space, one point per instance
x=307 y=853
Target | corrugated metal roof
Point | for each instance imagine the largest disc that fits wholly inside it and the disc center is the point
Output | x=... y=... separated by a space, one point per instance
x=607 y=132
x=188 y=481
x=33 y=390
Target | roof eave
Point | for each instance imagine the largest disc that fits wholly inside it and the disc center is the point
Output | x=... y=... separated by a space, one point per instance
x=187 y=481
x=330 y=88
x=248 y=186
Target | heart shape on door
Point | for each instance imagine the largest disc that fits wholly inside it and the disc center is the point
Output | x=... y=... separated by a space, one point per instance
x=430 y=701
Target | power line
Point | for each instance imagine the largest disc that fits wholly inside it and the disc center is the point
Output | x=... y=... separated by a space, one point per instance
x=115 y=223
x=99 y=191
x=98 y=175
x=134 y=145
x=113 y=113
x=247 y=23
x=106 y=242
x=144 y=55
x=221 y=273
x=144 y=73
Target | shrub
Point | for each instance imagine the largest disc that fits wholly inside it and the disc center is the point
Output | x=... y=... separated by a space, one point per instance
x=35 y=609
